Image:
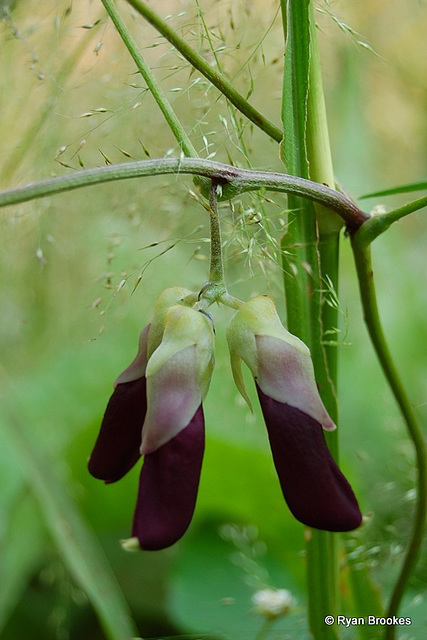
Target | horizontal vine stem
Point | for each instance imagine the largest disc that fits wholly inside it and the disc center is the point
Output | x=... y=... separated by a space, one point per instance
x=233 y=181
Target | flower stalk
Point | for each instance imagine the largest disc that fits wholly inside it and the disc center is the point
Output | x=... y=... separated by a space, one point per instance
x=216 y=273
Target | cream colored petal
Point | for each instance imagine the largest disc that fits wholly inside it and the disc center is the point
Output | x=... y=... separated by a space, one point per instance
x=287 y=375
x=167 y=298
x=137 y=367
x=174 y=394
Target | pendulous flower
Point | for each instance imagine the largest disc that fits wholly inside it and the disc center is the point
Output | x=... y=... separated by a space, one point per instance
x=117 y=447
x=156 y=410
x=313 y=486
x=178 y=376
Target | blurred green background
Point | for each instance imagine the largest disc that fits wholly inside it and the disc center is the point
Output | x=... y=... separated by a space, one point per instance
x=70 y=317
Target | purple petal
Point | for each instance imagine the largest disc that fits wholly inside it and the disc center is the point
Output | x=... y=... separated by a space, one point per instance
x=314 y=488
x=168 y=487
x=117 y=447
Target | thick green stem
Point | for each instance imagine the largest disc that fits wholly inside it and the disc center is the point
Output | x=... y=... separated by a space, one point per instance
x=362 y=256
x=322 y=549
x=300 y=239
x=214 y=76
x=311 y=256
x=152 y=84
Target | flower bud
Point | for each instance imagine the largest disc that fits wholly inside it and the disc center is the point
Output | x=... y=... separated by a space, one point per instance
x=160 y=393
x=173 y=435
x=117 y=447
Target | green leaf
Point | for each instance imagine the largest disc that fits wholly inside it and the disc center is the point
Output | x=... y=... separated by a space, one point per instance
x=227 y=575
x=404 y=188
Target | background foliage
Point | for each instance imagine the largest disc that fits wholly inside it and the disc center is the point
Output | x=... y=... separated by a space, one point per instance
x=69 y=319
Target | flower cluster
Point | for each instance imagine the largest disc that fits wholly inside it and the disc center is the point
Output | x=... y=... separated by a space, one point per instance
x=156 y=411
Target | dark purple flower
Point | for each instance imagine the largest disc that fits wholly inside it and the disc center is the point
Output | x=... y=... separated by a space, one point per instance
x=168 y=487
x=117 y=446
x=156 y=410
x=314 y=488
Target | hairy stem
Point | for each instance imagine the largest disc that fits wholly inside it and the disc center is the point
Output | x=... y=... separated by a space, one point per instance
x=216 y=273
x=362 y=256
x=233 y=180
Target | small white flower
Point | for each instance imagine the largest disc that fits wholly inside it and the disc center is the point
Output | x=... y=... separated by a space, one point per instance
x=272 y=603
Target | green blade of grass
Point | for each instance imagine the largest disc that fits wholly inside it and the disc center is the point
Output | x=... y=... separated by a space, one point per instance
x=404 y=188
x=23 y=542
x=74 y=539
